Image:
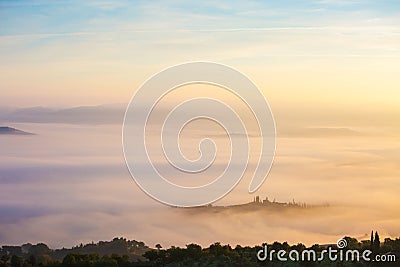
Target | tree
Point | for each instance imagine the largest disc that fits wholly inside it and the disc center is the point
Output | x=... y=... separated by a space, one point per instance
x=216 y=249
x=31 y=260
x=69 y=260
x=299 y=247
x=193 y=251
x=122 y=260
x=371 y=245
x=175 y=254
x=39 y=249
x=352 y=243
x=107 y=261
x=376 y=244
x=151 y=255
x=158 y=247
x=16 y=261
x=277 y=246
x=43 y=259
x=4 y=259
x=316 y=248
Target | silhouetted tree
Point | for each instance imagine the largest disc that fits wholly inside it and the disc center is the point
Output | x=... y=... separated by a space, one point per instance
x=299 y=247
x=16 y=261
x=31 y=260
x=191 y=255
x=4 y=260
x=69 y=260
x=193 y=251
x=352 y=243
x=122 y=260
x=39 y=249
x=376 y=244
x=107 y=261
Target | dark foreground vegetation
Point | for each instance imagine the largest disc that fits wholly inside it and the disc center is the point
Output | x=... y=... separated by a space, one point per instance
x=123 y=253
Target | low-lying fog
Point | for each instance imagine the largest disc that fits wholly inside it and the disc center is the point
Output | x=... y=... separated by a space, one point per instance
x=69 y=184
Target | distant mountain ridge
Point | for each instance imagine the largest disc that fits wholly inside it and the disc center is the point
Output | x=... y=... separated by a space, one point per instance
x=103 y=114
x=113 y=114
x=5 y=130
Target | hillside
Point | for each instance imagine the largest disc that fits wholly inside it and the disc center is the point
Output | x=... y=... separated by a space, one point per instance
x=5 y=130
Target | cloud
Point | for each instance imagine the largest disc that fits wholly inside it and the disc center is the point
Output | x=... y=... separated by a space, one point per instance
x=338 y=2
x=313 y=132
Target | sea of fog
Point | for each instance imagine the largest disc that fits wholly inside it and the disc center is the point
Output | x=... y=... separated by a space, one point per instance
x=68 y=184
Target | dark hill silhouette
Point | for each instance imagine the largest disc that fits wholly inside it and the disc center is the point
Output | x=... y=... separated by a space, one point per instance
x=259 y=205
x=12 y=131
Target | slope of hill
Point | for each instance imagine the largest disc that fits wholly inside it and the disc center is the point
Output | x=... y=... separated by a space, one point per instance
x=5 y=130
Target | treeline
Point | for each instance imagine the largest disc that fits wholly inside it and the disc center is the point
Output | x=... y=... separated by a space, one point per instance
x=225 y=255
x=123 y=253
x=41 y=255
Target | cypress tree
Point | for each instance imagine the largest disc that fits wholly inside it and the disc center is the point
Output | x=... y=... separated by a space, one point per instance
x=371 y=245
x=377 y=243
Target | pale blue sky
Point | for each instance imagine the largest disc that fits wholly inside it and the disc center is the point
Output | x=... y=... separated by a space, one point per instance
x=68 y=17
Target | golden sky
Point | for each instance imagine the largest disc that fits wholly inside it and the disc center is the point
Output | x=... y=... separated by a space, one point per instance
x=307 y=53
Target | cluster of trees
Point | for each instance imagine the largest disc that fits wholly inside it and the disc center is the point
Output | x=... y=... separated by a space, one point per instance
x=225 y=255
x=71 y=260
x=41 y=255
x=123 y=253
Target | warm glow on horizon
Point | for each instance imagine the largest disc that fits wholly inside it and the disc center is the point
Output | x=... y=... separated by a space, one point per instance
x=326 y=51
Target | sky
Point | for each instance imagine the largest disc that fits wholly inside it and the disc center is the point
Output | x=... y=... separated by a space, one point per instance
x=68 y=53
x=330 y=71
